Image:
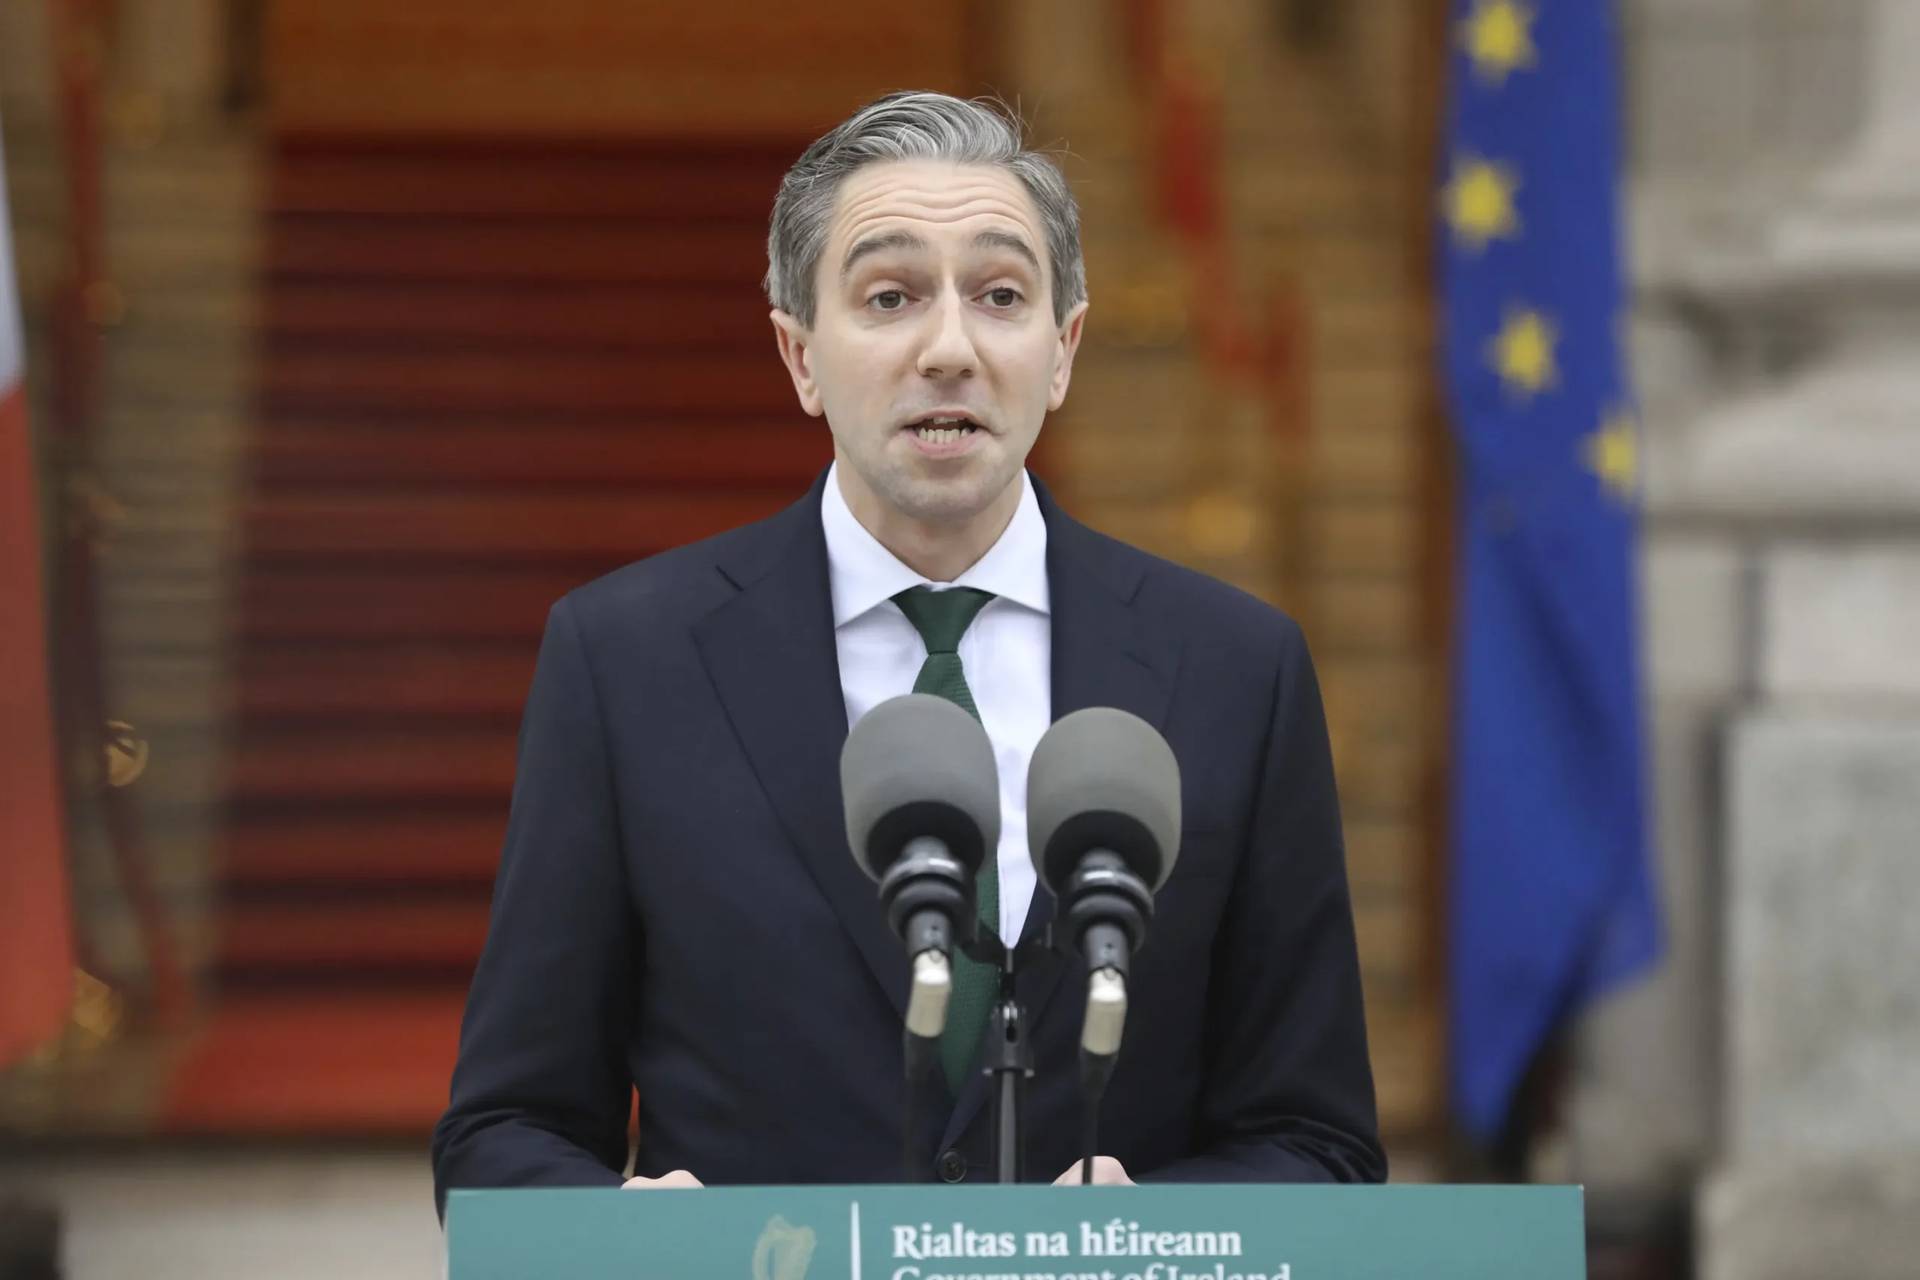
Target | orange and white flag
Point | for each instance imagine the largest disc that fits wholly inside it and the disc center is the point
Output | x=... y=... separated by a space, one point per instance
x=36 y=927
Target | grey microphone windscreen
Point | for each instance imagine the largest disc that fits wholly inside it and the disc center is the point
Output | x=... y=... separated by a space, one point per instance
x=1103 y=779
x=919 y=766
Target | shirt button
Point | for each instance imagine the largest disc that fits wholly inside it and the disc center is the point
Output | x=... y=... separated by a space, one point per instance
x=953 y=1167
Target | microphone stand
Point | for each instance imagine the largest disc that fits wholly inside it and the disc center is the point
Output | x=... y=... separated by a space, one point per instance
x=1007 y=1056
x=1009 y=1061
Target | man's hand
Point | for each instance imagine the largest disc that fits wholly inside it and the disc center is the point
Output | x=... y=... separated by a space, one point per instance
x=678 y=1178
x=1107 y=1172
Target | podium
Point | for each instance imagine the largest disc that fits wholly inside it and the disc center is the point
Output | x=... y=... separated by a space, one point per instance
x=1238 y=1232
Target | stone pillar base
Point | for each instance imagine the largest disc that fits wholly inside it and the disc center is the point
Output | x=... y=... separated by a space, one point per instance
x=1856 y=1217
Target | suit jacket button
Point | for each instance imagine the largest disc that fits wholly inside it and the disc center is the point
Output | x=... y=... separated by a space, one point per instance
x=953 y=1167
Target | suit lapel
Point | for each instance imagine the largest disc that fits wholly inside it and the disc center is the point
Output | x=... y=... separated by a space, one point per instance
x=1106 y=653
x=771 y=655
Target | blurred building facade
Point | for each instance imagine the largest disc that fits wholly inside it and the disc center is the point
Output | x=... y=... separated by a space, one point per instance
x=1776 y=215
x=415 y=318
x=363 y=256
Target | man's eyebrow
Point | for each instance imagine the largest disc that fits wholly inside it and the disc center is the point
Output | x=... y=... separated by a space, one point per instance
x=879 y=244
x=1007 y=240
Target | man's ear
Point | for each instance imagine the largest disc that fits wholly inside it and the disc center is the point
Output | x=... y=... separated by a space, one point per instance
x=1068 y=344
x=796 y=352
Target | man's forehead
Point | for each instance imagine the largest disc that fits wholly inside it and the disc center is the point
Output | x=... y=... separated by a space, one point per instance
x=930 y=196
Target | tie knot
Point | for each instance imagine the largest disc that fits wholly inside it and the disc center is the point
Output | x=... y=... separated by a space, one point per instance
x=942 y=617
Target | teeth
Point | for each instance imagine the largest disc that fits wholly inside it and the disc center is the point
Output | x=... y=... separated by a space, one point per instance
x=943 y=434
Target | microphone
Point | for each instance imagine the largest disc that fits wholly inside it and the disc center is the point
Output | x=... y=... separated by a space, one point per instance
x=922 y=797
x=1103 y=829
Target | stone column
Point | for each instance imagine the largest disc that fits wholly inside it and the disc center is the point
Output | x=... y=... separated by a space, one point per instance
x=1890 y=143
x=1809 y=465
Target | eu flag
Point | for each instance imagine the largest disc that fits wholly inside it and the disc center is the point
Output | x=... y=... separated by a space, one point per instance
x=1552 y=898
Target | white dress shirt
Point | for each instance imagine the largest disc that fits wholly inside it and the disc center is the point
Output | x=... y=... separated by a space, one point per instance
x=1007 y=654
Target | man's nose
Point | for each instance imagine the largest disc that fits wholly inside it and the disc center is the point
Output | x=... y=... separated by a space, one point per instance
x=948 y=351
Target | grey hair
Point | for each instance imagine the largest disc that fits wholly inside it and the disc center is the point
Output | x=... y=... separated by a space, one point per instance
x=915 y=126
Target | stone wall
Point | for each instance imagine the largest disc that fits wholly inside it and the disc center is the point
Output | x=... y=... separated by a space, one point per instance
x=1776 y=212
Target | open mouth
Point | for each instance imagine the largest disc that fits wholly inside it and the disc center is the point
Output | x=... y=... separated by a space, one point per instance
x=943 y=429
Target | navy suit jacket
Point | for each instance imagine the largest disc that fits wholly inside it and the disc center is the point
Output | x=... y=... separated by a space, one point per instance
x=676 y=910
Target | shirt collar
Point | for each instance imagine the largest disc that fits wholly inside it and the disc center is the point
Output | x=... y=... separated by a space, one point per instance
x=863 y=574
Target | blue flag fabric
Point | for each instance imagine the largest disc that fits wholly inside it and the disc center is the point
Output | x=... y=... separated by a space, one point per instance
x=1552 y=900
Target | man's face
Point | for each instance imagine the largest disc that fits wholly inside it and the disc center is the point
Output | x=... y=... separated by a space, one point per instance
x=933 y=352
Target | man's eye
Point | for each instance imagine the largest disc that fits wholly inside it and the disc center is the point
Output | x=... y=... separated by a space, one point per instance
x=888 y=299
x=1004 y=297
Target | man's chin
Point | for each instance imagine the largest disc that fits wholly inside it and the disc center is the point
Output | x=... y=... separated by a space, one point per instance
x=949 y=496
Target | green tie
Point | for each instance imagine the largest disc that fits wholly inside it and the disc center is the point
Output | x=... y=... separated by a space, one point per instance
x=942 y=617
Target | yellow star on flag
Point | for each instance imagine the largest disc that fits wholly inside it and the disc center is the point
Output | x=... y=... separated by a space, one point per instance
x=1498 y=36
x=1523 y=352
x=1479 y=202
x=1613 y=454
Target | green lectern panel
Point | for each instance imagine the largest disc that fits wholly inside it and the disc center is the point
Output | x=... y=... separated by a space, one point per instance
x=1020 y=1233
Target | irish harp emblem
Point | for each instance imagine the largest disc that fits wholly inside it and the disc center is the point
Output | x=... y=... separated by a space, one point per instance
x=784 y=1251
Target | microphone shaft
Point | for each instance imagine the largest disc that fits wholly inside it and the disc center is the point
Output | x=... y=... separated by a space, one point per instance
x=1106 y=946
x=928 y=930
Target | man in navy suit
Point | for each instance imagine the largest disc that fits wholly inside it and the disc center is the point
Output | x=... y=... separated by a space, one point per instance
x=676 y=909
